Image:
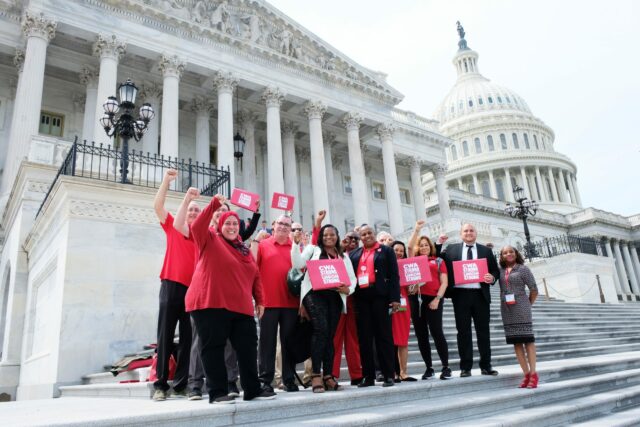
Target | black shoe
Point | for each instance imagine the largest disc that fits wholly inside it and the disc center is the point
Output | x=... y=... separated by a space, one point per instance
x=410 y=379
x=268 y=388
x=464 y=373
x=380 y=378
x=223 y=399
x=428 y=373
x=388 y=382
x=397 y=380
x=366 y=382
x=291 y=387
x=233 y=389
x=491 y=372
x=356 y=381
x=266 y=394
x=446 y=373
x=195 y=395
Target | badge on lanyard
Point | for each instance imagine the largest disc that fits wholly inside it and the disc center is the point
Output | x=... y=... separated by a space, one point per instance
x=363 y=277
x=510 y=299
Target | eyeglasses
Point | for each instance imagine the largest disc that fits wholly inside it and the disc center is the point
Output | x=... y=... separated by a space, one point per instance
x=295 y=229
x=284 y=224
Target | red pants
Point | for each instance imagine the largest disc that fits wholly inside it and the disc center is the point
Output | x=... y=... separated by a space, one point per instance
x=347 y=332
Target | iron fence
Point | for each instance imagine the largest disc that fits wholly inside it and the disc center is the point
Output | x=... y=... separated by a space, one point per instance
x=554 y=246
x=105 y=163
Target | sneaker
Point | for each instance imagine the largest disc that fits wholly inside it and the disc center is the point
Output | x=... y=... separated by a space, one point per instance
x=181 y=393
x=268 y=388
x=266 y=395
x=159 y=395
x=428 y=373
x=195 y=395
x=233 y=389
x=223 y=399
x=446 y=373
x=289 y=387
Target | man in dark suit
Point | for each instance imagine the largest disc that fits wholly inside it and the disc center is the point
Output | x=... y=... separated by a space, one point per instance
x=471 y=301
x=376 y=298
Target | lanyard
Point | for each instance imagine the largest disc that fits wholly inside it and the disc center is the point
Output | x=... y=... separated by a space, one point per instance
x=365 y=256
x=507 y=272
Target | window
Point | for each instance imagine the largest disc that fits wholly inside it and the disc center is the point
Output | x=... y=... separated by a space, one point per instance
x=465 y=148
x=480 y=102
x=486 y=191
x=454 y=153
x=490 y=143
x=508 y=99
x=452 y=108
x=490 y=99
x=405 y=196
x=470 y=103
x=503 y=141
x=544 y=146
x=535 y=141
x=460 y=105
x=476 y=142
x=499 y=100
x=515 y=141
x=526 y=141
x=213 y=155
x=347 y=184
x=378 y=190
x=500 y=189
x=51 y=124
x=471 y=188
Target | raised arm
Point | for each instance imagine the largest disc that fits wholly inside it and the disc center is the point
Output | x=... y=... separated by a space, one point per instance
x=180 y=222
x=298 y=260
x=255 y=218
x=200 y=225
x=317 y=225
x=158 y=203
x=414 y=237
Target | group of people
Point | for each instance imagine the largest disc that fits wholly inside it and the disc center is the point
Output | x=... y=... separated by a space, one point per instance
x=216 y=280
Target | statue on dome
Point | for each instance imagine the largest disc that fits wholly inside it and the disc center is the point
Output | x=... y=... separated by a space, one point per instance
x=462 y=44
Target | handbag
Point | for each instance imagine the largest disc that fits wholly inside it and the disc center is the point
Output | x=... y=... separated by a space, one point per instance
x=294 y=281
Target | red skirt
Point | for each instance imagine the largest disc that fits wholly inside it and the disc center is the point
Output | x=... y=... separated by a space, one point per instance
x=401 y=322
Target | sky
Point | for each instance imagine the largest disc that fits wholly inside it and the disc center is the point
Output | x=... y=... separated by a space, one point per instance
x=576 y=63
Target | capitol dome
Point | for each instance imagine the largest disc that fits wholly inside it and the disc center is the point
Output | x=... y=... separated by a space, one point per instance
x=498 y=143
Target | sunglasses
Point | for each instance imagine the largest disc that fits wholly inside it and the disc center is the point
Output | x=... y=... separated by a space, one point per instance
x=284 y=224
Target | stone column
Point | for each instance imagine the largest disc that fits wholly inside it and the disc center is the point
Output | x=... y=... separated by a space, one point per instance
x=262 y=169
x=492 y=186
x=247 y=122
x=329 y=142
x=203 y=109
x=624 y=281
x=563 y=186
x=172 y=68
x=289 y=130
x=394 y=207
x=543 y=191
x=616 y=276
x=152 y=93
x=629 y=266
x=224 y=83
x=109 y=50
x=359 y=193
x=575 y=190
x=476 y=184
x=440 y=172
x=315 y=110
x=525 y=185
x=508 y=188
x=304 y=184
x=572 y=191
x=28 y=101
x=415 y=165
x=636 y=261
x=552 y=184
x=273 y=97
x=89 y=78
x=460 y=185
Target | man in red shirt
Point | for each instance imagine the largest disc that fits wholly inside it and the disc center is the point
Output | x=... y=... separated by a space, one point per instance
x=178 y=267
x=281 y=308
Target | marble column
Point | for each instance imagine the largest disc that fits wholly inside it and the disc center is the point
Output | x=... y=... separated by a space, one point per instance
x=624 y=281
x=616 y=276
x=629 y=266
x=247 y=122
x=508 y=188
x=541 y=189
x=525 y=185
x=109 y=50
x=492 y=186
x=440 y=172
x=576 y=191
x=315 y=110
x=572 y=191
x=552 y=184
x=359 y=193
x=203 y=109
x=635 y=260
x=460 y=185
x=89 y=78
x=289 y=130
x=262 y=170
x=152 y=94
x=304 y=181
x=28 y=101
x=171 y=68
x=329 y=142
x=385 y=133
x=476 y=184
x=415 y=165
x=273 y=97
x=224 y=83
x=563 y=187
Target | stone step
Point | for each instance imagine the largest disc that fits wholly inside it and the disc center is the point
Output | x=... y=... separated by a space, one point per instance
x=627 y=418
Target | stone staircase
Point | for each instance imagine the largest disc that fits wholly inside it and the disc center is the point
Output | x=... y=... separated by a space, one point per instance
x=589 y=366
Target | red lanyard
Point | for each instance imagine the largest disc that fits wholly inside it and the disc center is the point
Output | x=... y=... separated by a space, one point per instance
x=365 y=255
x=507 y=272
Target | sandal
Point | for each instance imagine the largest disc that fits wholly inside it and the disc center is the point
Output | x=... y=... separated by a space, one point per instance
x=331 y=384
x=316 y=384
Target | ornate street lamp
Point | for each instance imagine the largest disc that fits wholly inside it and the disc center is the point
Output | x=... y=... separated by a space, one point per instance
x=125 y=125
x=238 y=140
x=523 y=209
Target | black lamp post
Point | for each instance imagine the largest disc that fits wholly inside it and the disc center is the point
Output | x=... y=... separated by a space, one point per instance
x=125 y=124
x=523 y=209
x=238 y=140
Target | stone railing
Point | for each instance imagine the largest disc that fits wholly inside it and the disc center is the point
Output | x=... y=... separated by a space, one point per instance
x=48 y=150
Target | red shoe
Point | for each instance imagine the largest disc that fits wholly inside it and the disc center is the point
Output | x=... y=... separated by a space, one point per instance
x=525 y=381
x=533 y=380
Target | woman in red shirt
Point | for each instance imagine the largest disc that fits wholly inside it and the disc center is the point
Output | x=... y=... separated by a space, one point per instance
x=220 y=300
x=427 y=304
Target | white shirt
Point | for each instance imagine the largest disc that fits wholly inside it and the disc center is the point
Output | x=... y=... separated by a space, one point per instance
x=463 y=256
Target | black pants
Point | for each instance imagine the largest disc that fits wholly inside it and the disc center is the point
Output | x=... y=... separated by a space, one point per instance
x=424 y=320
x=470 y=304
x=286 y=318
x=215 y=326
x=324 y=309
x=374 y=323
x=172 y=313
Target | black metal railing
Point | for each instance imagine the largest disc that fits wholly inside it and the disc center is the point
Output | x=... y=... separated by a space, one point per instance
x=554 y=246
x=105 y=163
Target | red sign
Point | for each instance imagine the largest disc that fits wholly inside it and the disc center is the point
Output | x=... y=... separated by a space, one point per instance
x=470 y=271
x=245 y=199
x=327 y=273
x=282 y=201
x=414 y=270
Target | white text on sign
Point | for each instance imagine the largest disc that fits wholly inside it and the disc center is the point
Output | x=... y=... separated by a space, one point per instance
x=329 y=274
x=412 y=272
x=471 y=271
